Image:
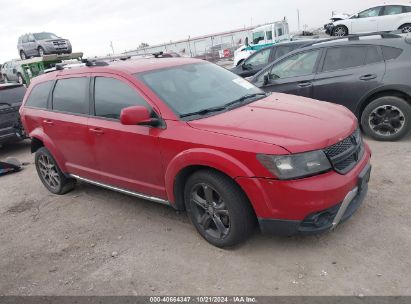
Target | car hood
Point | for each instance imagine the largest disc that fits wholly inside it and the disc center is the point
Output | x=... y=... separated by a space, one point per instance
x=294 y=123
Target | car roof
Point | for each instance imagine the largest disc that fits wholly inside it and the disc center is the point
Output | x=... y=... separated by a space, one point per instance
x=132 y=66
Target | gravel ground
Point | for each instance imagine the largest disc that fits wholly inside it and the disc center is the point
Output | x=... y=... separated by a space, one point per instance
x=97 y=242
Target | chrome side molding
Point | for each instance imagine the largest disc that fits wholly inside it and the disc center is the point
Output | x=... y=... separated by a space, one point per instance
x=128 y=192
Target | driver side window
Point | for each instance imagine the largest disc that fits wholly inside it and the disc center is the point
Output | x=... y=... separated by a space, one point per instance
x=260 y=58
x=372 y=12
x=301 y=64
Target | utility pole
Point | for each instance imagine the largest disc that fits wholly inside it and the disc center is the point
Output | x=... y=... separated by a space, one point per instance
x=298 y=16
x=112 y=46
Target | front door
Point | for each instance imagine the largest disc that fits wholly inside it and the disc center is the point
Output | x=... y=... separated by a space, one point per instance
x=366 y=21
x=293 y=75
x=128 y=157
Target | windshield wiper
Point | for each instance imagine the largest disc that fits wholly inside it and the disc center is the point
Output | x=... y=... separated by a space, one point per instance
x=204 y=111
x=244 y=98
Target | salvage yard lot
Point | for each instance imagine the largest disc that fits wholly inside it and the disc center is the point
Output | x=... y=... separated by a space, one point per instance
x=94 y=241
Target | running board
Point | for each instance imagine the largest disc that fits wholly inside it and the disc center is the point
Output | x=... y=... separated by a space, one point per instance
x=128 y=192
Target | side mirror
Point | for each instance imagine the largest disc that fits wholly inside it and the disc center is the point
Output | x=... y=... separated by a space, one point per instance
x=247 y=66
x=355 y=16
x=137 y=115
x=266 y=79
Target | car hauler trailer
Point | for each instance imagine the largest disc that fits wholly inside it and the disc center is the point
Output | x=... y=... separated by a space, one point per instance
x=37 y=66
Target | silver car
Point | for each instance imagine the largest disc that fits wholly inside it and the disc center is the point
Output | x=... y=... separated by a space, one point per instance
x=11 y=71
x=39 y=44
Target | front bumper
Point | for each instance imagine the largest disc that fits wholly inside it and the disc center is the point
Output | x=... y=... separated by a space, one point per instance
x=323 y=220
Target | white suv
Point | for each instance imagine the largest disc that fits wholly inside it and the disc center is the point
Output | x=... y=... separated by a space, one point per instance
x=376 y=19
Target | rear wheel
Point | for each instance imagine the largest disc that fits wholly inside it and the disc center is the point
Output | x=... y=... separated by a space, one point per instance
x=20 y=79
x=406 y=28
x=387 y=118
x=23 y=55
x=218 y=208
x=340 y=30
x=50 y=174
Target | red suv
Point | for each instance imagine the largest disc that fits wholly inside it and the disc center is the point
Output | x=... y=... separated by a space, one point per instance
x=192 y=135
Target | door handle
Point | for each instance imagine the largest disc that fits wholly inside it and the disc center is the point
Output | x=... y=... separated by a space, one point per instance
x=305 y=84
x=97 y=131
x=368 y=77
x=48 y=122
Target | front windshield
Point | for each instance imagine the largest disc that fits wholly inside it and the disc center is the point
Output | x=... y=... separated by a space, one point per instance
x=195 y=87
x=43 y=36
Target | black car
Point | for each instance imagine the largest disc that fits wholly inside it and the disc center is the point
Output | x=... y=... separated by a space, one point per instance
x=11 y=96
x=369 y=74
x=260 y=59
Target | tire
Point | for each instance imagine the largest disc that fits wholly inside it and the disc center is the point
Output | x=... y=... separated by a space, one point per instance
x=20 y=79
x=387 y=118
x=6 y=79
x=340 y=31
x=23 y=55
x=225 y=207
x=41 y=51
x=405 y=28
x=50 y=174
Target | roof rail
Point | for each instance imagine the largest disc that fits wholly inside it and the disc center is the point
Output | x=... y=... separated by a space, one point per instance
x=384 y=35
x=92 y=63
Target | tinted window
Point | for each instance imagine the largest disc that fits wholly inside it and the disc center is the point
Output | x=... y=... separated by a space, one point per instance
x=339 y=58
x=269 y=35
x=12 y=95
x=71 y=95
x=391 y=52
x=39 y=95
x=373 y=55
x=285 y=49
x=260 y=58
x=407 y=9
x=296 y=65
x=112 y=95
x=372 y=12
x=25 y=38
x=393 y=10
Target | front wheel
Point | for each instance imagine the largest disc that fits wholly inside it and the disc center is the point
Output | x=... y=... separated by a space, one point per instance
x=218 y=208
x=50 y=174
x=23 y=55
x=21 y=79
x=387 y=118
x=41 y=51
x=340 y=31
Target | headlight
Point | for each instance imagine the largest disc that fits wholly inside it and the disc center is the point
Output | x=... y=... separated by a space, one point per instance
x=295 y=165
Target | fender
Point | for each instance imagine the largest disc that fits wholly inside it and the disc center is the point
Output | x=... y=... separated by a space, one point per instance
x=203 y=157
x=39 y=134
x=404 y=89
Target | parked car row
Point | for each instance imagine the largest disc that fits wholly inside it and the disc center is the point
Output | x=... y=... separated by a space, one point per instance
x=11 y=72
x=365 y=73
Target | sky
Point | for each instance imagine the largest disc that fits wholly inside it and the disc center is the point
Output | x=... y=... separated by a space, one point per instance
x=91 y=25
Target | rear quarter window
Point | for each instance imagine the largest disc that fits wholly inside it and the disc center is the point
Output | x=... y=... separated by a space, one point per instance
x=39 y=95
x=390 y=53
x=339 y=58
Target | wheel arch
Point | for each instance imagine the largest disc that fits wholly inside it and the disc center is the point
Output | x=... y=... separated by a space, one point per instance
x=186 y=163
x=401 y=92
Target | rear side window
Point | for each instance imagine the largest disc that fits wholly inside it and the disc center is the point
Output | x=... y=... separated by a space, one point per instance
x=112 y=95
x=345 y=57
x=373 y=55
x=407 y=9
x=39 y=95
x=72 y=95
x=393 y=10
x=391 y=52
x=12 y=95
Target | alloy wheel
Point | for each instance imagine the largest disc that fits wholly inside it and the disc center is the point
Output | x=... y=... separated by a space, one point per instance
x=340 y=31
x=210 y=211
x=41 y=52
x=406 y=29
x=23 y=55
x=386 y=120
x=48 y=171
x=20 y=79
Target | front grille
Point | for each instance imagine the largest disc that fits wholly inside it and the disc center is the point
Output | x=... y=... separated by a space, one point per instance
x=346 y=154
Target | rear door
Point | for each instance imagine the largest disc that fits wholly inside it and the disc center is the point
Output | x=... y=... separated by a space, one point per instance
x=390 y=17
x=348 y=73
x=367 y=21
x=127 y=157
x=66 y=124
x=293 y=75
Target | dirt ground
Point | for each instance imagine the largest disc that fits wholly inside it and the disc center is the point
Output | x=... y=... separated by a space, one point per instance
x=97 y=242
